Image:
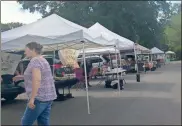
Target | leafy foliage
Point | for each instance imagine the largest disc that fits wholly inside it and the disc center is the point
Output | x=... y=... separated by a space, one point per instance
x=8 y=26
x=173 y=33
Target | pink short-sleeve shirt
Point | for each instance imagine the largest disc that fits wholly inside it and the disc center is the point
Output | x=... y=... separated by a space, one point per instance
x=47 y=91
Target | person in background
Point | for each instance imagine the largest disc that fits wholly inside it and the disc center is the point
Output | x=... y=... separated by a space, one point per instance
x=19 y=72
x=19 y=69
x=40 y=87
x=88 y=69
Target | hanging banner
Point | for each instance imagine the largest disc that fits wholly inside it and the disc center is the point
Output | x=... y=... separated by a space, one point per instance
x=9 y=63
x=68 y=57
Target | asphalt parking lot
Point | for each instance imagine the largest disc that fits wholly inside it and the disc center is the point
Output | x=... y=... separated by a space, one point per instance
x=156 y=100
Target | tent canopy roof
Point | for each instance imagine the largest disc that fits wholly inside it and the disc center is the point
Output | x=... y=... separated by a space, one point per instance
x=142 y=48
x=109 y=35
x=138 y=48
x=170 y=52
x=72 y=40
x=101 y=50
x=155 y=50
x=50 y=26
x=52 y=30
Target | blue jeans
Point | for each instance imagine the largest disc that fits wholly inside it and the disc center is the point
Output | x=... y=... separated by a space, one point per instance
x=41 y=113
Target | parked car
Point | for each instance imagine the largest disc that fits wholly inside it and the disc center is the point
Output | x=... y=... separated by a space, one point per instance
x=49 y=58
x=10 y=90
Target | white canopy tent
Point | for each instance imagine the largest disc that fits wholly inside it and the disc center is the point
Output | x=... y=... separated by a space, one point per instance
x=55 y=44
x=124 y=43
x=157 y=53
x=155 y=50
x=54 y=33
x=72 y=40
x=112 y=42
x=109 y=35
x=138 y=48
x=51 y=27
x=114 y=46
x=75 y=38
x=170 y=55
x=102 y=41
x=170 y=52
x=115 y=40
x=102 y=34
x=51 y=44
x=19 y=43
x=117 y=45
x=141 y=49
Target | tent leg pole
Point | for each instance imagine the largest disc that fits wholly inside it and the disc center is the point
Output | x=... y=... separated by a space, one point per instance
x=119 y=59
x=117 y=71
x=53 y=69
x=86 y=81
x=110 y=59
x=120 y=66
x=136 y=62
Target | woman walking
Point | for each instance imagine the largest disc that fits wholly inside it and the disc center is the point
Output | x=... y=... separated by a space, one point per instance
x=39 y=85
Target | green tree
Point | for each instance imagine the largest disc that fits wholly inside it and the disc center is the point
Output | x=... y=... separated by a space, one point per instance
x=173 y=33
x=9 y=26
x=126 y=18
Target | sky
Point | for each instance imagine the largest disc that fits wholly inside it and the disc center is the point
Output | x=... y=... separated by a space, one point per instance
x=11 y=12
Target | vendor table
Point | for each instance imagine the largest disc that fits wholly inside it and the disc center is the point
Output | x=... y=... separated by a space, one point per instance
x=61 y=83
x=112 y=75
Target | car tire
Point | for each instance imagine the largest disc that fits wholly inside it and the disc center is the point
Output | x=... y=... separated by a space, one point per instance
x=10 y=97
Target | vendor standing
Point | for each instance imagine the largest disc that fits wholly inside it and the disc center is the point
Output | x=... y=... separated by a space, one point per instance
x=88 y=69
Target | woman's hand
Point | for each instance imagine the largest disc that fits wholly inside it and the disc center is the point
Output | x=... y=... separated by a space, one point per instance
x=17 y=78
x=14 y=79
x=31 y=104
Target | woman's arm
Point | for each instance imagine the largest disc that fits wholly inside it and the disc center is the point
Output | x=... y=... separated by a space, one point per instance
x=18 y=77
x=36 y=80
